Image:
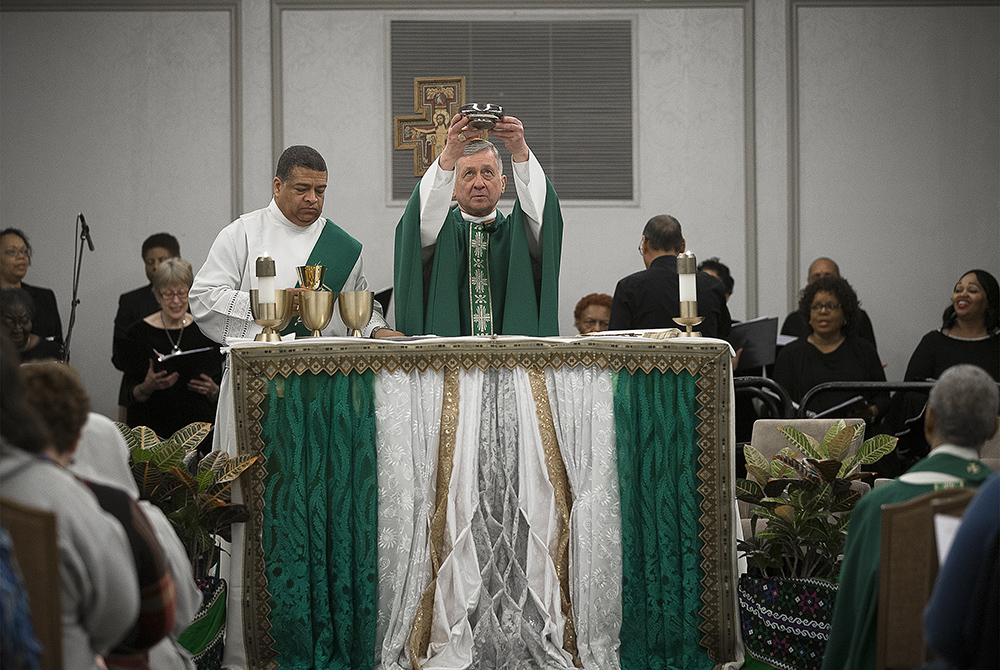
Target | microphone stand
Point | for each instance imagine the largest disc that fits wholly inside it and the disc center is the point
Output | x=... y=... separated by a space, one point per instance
x=78 y=245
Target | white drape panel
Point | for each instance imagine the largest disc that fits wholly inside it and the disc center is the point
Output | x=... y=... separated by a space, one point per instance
x=408 y=424
x=583 y=413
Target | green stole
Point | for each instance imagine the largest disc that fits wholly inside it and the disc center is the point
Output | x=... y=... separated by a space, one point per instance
x=339 y=252
x=439 y=299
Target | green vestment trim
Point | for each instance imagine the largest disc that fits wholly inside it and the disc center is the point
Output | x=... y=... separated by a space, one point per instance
x=852 y=643
x=436 y=299
x=657 y=445
x=339 y=252
x=480 y=300
x=320 y=524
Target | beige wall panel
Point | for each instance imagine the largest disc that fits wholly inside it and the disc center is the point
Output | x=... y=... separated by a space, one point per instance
x=898 y=153
x=124 y=116
x=689 y=120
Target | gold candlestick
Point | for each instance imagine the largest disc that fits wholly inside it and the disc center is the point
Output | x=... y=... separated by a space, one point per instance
x=271 y=316
x=687 y=267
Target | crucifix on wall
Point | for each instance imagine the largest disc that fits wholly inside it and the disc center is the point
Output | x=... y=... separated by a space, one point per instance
x=435 y=101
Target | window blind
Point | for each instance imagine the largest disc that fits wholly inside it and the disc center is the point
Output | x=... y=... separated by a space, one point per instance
x=569 y=82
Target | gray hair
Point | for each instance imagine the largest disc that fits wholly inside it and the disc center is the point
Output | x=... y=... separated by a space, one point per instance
x=174 y=270
x=477 y=146
x=965 y=402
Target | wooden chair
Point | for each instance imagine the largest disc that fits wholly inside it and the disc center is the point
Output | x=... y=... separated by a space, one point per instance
x=907 y=569
x=33 y=532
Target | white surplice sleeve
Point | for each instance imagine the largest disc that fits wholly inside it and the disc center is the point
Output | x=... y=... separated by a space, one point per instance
x=437 y=186
x=220 y=296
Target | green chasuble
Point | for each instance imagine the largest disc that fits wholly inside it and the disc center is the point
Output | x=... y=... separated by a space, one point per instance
x=339 y=252
x=524 y=301
x=855 y=617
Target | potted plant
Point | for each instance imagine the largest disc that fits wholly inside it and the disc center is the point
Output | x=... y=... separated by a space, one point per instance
x=802 y=498
x=200 y=508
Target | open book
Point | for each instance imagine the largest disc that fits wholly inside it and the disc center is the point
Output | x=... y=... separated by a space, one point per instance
x=189 y=364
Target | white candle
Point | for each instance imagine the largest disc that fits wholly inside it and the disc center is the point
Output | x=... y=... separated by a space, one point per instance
x=265 y=280
x=265 y=289
x=688 y=291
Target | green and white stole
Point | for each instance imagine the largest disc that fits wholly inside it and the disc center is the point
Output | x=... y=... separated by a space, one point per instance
x=480 y=300
x=339 y=252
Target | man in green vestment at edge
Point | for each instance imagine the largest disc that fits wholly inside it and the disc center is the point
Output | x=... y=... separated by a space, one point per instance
x=470 y=270
x=961 y=416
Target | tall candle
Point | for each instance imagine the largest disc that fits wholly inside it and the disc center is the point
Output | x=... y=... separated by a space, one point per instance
x=686 y=269
x=265 y=279
x=688 y=291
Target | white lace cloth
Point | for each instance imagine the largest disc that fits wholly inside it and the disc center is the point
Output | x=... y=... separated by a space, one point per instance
x=516 y=511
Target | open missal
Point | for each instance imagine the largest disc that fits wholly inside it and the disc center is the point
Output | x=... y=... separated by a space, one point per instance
x=189 y=364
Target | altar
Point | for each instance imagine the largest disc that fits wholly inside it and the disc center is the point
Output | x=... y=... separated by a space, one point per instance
x=486 y=502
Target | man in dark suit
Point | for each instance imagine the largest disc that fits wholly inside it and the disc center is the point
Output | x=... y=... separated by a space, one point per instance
x=651 y=298
x=140 y=303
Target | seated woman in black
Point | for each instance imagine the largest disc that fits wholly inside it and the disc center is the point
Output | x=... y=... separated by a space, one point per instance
x=17 y=314
x=162 y=400
x=969 y=333
x=829 y=354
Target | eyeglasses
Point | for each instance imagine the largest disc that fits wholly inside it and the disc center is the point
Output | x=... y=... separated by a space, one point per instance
x=590 y=323
x=171 y=295
x=828 y=306
x=12 y=322
x=14 y=252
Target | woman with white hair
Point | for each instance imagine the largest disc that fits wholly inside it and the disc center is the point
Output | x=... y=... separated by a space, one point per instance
x=162 y=400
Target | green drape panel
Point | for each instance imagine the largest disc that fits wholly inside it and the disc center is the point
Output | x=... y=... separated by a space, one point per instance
x=320 y=520
x=655 y=424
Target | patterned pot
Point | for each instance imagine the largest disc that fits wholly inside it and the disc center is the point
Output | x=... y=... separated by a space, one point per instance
x=786 y=622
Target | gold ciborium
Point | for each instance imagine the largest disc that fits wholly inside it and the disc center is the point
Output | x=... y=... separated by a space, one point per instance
x=271 y=316
x=356 y=309
x=311 y=276
x=317 y=309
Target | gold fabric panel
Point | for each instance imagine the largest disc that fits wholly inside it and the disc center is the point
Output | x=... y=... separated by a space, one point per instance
x=420 y=634
x=564 y=503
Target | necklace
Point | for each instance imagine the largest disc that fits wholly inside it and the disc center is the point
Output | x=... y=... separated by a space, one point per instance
x=175 y=347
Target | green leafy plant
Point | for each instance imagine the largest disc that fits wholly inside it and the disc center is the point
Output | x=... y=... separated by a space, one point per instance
x=804 y=495
x=198 y=504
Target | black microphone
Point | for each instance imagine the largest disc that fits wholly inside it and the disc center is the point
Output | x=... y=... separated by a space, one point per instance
x=85 y=231
x=489 y=227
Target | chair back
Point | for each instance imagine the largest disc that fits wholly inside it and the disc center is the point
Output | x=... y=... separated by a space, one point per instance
x=908 y=566
x=33 y=532
x=990 y=452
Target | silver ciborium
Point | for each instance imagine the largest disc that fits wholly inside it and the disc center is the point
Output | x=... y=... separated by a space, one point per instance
x=273 y=317
x=317 y=309
x=482 y=116
x=311 y=276
x=356 y=309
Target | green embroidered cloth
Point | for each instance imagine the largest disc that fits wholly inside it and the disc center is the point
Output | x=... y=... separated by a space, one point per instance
x=320 y=521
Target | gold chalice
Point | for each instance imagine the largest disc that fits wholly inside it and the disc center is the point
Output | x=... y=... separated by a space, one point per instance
x=317 y=309
x=271 y=316
x=356 y=309
x=311 y=276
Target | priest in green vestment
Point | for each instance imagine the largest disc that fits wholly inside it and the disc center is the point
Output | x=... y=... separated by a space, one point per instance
x=961 y=416
x=470 y=270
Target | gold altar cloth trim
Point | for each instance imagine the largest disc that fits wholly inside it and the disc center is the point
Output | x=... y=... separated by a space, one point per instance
x=420 y=634
x=253 y=364
x=556 y=468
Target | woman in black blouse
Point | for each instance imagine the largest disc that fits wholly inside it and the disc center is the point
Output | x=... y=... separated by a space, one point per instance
x=829 y=353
